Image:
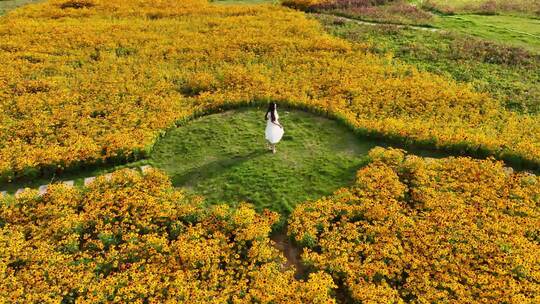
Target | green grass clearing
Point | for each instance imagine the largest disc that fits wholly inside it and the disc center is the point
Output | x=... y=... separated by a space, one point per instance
x=224 y=158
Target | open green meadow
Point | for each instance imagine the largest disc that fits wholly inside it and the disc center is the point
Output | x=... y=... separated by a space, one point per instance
x=503 y=71
x=512 y=30
x=486 y=7
x=7 y=5
x=224 y=158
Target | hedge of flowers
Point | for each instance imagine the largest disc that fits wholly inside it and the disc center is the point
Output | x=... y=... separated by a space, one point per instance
x=85 y=81
x=428 y=231
x=453 y=230
x=135 y=239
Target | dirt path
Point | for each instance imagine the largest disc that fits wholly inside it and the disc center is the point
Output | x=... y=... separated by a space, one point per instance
x=291 y=252
x=71 y=183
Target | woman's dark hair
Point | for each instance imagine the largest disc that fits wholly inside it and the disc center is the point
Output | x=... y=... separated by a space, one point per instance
x=271 y=110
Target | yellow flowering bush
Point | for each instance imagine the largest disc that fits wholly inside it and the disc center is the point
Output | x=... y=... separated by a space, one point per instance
x=97 y=80
x=135 y=239
x=452 y=230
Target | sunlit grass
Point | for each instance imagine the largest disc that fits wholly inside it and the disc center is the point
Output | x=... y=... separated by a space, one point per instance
x=224 y=158
x=521 y=7
x=513 y=30
x=7 y=5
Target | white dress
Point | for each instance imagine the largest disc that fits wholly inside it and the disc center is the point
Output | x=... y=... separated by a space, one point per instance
x=273 y=132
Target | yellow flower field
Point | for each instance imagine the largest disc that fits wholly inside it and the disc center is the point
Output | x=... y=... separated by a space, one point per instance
x=137 y=240
x=84 y=81
x=453 y=230
x=90 y=81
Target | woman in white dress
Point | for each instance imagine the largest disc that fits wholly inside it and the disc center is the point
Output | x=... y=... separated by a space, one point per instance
x=274 y=130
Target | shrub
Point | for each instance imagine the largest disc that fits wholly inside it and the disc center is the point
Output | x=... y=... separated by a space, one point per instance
x=304 y=5
x=490 y=52
x=347 y=4
x=437 y=8
x=394 y=11
x=77 y=4
x=488 y=8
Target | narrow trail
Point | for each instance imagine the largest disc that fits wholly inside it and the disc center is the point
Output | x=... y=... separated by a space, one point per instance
x=406 y=26
x=292 y=253
x=70 y=183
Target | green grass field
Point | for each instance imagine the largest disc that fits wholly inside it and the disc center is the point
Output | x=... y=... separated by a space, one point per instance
x=224 y=158
x=7 y=5
x=516 y=7
x=511 y=30
x=514 y=24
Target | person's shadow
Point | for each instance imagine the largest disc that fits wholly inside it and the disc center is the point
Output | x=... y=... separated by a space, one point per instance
x=213 y=168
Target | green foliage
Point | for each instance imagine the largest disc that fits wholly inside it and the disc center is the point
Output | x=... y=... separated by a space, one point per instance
x=308 y=241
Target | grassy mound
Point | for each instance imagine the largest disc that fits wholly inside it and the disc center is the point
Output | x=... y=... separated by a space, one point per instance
x=224 y=158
